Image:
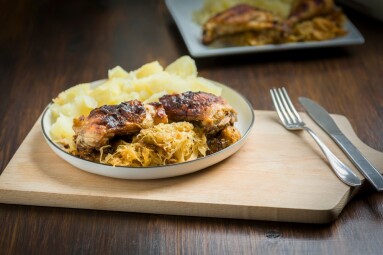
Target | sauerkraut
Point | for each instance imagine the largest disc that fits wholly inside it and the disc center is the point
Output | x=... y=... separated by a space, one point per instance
x=162 y=144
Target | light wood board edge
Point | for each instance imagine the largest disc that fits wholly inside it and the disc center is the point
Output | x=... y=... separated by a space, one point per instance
x=194 y=209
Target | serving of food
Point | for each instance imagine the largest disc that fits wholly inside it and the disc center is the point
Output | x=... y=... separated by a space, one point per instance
x=227 y=27
x=252 y=23
x=147 y=119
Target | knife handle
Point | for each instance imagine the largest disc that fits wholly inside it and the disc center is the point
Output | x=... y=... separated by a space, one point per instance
x=344 y=173
x=361 y=163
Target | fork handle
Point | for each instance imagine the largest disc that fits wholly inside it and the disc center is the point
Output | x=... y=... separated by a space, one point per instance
x=344 y=173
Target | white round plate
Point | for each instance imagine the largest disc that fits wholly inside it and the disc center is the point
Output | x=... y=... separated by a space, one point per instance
x=244 y=125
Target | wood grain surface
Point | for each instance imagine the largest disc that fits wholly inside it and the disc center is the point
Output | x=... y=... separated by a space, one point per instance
x=48 y=46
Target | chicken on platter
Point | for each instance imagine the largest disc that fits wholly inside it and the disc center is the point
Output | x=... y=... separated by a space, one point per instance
x=244 y=24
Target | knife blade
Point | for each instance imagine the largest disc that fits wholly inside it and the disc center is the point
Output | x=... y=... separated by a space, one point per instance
x=325 y=121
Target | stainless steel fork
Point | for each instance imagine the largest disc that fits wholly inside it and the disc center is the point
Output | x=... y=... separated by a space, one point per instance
x=292 y=121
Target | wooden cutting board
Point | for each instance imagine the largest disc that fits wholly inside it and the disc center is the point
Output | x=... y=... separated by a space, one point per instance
x=277 y=175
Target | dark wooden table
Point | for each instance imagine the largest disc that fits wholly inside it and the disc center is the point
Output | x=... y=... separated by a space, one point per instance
x=48 y=46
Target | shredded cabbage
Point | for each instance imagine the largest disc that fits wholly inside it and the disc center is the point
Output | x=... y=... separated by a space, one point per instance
x=159 y=145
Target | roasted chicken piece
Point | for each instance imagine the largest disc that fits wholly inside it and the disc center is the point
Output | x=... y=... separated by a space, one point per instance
x=206 y=110
x=103 y=123
x=307 y=9
x=238 y=19
x=223 y=139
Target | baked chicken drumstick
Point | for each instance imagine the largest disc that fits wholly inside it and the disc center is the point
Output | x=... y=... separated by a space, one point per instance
x=103 y=123
x=206 y=110
x=238 y=19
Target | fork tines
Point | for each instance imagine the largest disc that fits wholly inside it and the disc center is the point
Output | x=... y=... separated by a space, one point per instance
x=284 y=107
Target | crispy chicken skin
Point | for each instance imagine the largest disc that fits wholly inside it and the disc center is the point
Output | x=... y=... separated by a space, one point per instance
x=307 y=9
x=103 y=123
x=206 y=110
x=240 y=18
x=247 y=25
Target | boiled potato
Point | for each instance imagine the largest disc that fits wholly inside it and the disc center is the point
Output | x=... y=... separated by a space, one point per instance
x=62 y=128
x=117 y=72
x=83 y=105
x=69 y=94
x=107 y=92
x=202 y=84
x=183 y=67
x=149 y=69
x=155 y=96
x=160 y=82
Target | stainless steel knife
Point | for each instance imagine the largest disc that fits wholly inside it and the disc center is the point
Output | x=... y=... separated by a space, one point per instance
x=325 y=121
